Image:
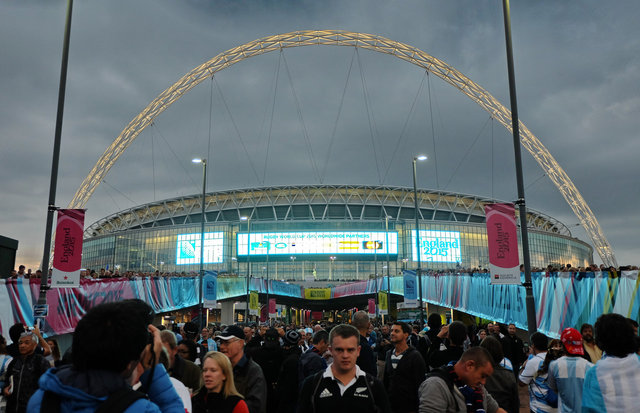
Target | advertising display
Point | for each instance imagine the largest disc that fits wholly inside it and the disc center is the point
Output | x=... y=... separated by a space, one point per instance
x=318 y=243
x=502 y=234
x=210 y=287
x=437 y=246
x=67 y=250
x=188 y=248
x=410 y=285
x=383 y=300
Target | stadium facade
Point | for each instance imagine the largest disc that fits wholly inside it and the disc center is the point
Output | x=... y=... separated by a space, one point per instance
x=314 y=232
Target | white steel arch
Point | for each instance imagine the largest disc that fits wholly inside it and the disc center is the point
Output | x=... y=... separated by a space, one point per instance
x=365 y=41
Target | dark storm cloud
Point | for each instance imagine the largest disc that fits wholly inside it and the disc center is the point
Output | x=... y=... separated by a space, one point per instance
x=576 y=71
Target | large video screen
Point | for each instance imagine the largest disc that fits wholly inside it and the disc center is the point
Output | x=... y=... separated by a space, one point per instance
x=188 y=248
x=318 y=243
x=437 y=246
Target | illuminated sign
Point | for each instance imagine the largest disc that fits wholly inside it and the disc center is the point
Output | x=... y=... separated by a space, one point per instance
x=437 y=246
x=300 y=243
x=188 y=248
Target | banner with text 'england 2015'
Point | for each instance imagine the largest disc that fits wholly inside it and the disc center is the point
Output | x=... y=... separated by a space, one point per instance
x=67 y=252
x=502 y=235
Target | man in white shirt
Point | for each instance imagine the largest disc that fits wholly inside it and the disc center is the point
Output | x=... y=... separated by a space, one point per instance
x=537 y=390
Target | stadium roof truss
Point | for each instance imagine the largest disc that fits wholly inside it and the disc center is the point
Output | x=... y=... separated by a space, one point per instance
x=365 y=41
x=311 y=202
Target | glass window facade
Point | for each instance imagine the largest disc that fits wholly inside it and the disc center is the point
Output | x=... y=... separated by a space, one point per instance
x=151 y=249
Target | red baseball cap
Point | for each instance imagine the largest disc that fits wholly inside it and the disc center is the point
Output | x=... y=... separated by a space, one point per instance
x=572 y=340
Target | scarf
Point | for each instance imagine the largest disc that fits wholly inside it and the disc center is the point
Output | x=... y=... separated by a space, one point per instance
x=473 y=397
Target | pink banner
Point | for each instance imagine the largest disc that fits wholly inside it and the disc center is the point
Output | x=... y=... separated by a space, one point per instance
x=67 y=252
x=502 y=234
x=372 y=306
x=272 y=307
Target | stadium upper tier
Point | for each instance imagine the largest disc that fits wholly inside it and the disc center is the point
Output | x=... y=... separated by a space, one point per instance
x=315 y=203
x=314 y=232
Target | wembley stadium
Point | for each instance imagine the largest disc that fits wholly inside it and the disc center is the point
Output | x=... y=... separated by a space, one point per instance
x=324 y=233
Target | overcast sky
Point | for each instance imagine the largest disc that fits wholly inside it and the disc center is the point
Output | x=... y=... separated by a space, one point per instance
x=362 y=114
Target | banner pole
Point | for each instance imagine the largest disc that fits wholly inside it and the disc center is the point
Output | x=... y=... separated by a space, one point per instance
x=44 y=282
x=531 y=310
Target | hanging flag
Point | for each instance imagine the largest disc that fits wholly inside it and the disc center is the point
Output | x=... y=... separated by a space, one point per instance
x=410 y=288
x=254 y=303
x=502 y=235
x=383 y=303
x=372 y=307
x=272 y=308
x=67 y=251
x=210 y=286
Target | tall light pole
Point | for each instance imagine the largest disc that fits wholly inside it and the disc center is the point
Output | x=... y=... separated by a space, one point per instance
x=293 y=270
x=331 y=260
x=204 y=188
x=532 y=323
x=386 y=228
x=246 y=310
x=415 y=200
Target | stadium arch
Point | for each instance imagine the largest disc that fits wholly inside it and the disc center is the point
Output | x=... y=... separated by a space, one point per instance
x=364 y=41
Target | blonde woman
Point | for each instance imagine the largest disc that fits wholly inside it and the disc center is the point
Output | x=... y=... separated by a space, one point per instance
x=219 y=393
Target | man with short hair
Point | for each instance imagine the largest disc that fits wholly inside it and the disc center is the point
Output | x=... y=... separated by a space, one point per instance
x=593 y=352
x=529 y=377
x=612 y=384
x=456 y=333
x=343 y=386
x=207 y=341
x=382 y=347
x=247 y=374
x=459 y=387
x=566 y=374
x=404 y=371
x=311 y=361
x=180 y=368
x=513 y=348
x=366 y=359
x=110 y=347
x=24 y=372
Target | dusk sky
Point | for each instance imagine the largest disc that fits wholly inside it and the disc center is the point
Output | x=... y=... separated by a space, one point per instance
x=319 y=114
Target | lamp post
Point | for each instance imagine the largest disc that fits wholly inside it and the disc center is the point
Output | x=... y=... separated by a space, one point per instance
x=331 y=260
x=293 y=269
x=204 y=187
x=246 y=310
x=386 y=228
x=415 y=200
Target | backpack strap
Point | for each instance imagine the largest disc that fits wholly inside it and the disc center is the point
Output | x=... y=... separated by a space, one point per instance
x=120 y=400
x=441 y=373
x=370 y=380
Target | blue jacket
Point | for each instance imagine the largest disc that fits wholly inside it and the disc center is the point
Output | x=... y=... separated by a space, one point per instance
x=84 y=391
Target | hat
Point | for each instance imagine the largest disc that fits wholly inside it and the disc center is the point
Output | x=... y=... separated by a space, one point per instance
x=308 y=330
x=231 y=332
x=572 y=340
x=191 y=328
x=271 y=334
x=291 y=338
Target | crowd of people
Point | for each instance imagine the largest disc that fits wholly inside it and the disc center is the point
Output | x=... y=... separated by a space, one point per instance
x=120 y=361
x=103 y=273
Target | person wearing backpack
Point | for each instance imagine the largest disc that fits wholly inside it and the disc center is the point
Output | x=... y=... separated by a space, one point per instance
x=112 y=344
x=459 y=387
x=343 y=386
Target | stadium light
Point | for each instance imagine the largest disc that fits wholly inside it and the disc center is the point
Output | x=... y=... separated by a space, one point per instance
x=204 y=189
x=415 y=200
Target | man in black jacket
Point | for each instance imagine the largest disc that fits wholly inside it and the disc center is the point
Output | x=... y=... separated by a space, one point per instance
x=404 y=371
x=24 y=372
x=366 y=360
x=343 y=386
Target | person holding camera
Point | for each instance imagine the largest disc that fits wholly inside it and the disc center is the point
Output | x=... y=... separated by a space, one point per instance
x=114 y=346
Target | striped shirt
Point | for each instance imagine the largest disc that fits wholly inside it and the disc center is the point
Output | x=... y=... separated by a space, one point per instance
x=566 y=377
x=538 y=387
x=612 y=385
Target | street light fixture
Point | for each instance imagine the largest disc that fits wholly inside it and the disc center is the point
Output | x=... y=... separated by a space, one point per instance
x=204 y=187
x=331 y=260
x=417 y=211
